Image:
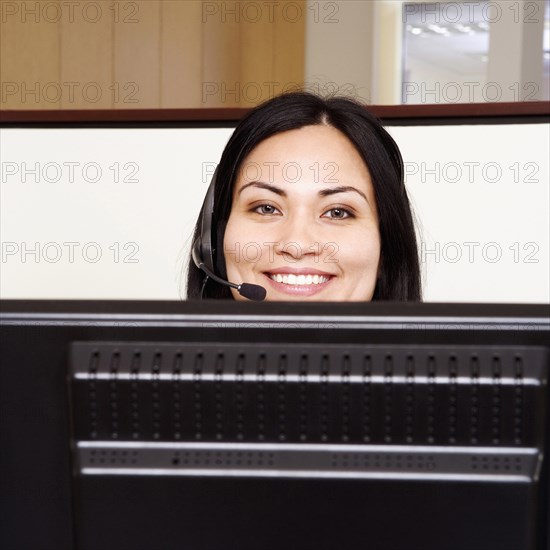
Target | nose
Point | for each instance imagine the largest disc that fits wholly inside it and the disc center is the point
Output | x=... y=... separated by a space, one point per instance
x=297 y=238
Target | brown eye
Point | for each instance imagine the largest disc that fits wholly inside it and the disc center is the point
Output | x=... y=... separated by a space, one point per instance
x=340 y=214
x=265 y=209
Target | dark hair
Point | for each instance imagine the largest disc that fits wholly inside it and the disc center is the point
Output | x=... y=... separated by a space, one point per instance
x=399 y=276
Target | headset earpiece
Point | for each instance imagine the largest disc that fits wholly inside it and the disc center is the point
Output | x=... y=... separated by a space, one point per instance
x=203 y=248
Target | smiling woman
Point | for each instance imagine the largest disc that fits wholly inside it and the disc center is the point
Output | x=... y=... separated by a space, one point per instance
x=309 y=202
x=312 y=226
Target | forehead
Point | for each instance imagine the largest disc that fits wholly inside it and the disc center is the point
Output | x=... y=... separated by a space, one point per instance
x=313 y=148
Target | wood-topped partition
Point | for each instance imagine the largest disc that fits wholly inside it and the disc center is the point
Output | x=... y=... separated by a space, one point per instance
x=464 y=113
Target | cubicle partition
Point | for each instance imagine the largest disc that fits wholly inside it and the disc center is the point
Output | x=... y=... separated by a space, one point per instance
x=102 y=204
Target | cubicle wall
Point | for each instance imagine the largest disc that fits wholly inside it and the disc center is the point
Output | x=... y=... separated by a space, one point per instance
x=108 y=212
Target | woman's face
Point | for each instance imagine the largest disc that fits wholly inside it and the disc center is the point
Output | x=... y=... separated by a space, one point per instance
x=303 y=221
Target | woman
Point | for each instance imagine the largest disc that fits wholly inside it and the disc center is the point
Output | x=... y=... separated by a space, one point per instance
x=309 y=203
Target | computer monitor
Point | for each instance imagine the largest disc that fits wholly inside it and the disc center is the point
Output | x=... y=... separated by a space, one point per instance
x=247 y=426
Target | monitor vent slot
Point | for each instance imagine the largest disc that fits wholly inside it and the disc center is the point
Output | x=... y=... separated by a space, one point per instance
x=453 y=400
x=218 y=396
x=367 y=398
x=134 y=395
x=303 y=399
x=197 y=395
x=282 y=397
x=518 y=400
x=113 y=392
x=388 y=398
x=345 y=398
x=260 y=396
x=176 y=394
x=431 y=396
x=420 y=395
x=496 y=400
x=155 y=394
x=92 y=393
x=239 y=397
x=474 y=391
x=324 y=393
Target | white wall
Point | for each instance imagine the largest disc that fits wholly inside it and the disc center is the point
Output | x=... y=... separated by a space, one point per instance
x=151 y=218
x=485 y=223
x=142 y=228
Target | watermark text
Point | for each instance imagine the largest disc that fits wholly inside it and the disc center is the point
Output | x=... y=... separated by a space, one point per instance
x=68 y=92
x=71 y=252
x=473 y=251
x=69 y=172
x=69 y=12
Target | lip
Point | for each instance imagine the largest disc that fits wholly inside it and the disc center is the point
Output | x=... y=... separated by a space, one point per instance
x=298 y=271
x=298 y=290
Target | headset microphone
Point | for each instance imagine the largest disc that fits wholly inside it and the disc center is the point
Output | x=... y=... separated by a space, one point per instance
x=248 y=290
x=203 y=251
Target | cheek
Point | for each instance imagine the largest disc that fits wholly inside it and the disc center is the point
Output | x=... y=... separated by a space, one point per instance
x=233 y=243
x=229 y=242
x=360 y=250
x=244 y=239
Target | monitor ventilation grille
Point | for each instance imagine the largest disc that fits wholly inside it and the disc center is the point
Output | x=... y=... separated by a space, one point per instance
x=361 y=394
x=309 y=461
x=201 y=458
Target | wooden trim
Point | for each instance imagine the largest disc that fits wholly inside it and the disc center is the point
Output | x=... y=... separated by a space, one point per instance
x=386 y=112
x=124 y=115
x=526 y=108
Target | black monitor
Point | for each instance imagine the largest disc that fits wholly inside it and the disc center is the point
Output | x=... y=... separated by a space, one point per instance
x=262 y=426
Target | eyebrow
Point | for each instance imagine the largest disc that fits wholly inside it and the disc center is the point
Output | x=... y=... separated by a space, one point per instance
x=321 y=193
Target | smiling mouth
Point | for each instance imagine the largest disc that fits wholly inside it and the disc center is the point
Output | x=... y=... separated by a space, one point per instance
x=299 y=280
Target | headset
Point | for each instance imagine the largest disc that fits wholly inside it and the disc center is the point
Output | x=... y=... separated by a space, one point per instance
x=204 y=250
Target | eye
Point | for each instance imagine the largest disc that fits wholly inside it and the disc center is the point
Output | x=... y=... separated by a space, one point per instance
x=341 y=213
x=267 y=209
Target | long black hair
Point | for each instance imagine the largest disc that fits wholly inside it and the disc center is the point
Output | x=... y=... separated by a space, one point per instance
x=399 y=275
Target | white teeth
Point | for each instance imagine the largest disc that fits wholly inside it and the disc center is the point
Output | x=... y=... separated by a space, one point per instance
x=292 y=279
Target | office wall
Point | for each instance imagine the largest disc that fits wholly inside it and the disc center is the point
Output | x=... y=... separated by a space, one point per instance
x=108 y=213
x=340 y=47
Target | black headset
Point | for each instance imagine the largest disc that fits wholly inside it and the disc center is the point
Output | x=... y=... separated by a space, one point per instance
x=204 y=250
